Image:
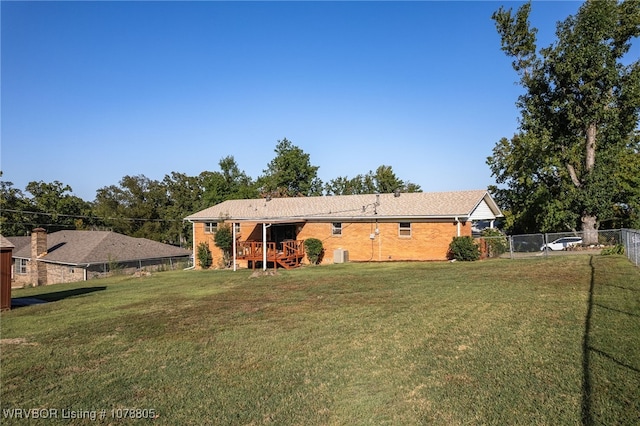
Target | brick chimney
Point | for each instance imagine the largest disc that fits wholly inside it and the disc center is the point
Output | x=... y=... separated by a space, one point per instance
x=38 y=249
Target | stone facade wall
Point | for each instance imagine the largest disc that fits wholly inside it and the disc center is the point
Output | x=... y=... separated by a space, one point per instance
x=57 y=274
x=37 y=271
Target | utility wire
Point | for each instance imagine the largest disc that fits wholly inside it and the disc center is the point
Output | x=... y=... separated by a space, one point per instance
x=90 y=217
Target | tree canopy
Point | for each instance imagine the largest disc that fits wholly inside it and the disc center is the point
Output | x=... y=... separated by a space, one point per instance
x=230 y=183
x=579 y=115
x=155 y=209
x=384 y=180
x=290 y=173
x=51 y=205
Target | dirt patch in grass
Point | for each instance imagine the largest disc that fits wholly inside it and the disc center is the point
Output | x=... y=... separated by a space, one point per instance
x=17 y=341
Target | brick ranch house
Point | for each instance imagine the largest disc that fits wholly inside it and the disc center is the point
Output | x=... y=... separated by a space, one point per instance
x=369 y=227
x=69 y=256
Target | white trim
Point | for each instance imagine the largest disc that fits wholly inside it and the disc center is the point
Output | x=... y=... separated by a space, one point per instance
x=233 y=226
x=264 y=244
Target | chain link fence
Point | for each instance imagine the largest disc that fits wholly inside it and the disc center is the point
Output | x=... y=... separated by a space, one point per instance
x=631 y=243
x=138 y=267
x=555 y=244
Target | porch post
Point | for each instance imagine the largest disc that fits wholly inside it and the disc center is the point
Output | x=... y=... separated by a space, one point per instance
x=233 y=233
x=264 y=246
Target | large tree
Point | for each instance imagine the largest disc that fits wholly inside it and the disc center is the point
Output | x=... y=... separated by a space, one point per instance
x=578 y=115
x=15 y=211
x=384 y=180
x=58 y=208
x=51 y=205
x=135 y=208
x=290 y=173
x=230 y=183
x=184 y=196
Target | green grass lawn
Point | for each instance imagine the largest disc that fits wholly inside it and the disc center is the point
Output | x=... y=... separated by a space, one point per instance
x=545 y=341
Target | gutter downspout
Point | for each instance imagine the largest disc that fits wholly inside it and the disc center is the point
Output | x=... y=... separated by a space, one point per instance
x=193 y=243
x=457 y=226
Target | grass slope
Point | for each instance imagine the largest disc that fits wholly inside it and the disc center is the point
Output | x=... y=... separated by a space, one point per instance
x=547 y=341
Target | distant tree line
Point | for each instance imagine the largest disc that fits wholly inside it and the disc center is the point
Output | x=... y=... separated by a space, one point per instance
x=141 y=207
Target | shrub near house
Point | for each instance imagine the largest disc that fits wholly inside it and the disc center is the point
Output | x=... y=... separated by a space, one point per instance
x=314 y=250
x=464 y=248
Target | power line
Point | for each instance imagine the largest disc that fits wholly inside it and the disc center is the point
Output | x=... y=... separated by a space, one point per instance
x=59 y=225
x=131 y=219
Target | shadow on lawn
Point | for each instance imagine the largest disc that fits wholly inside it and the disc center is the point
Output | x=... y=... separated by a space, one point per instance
x=600 y=363
x=54 y=296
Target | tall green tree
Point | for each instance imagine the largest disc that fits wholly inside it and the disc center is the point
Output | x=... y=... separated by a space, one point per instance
x=184 y=196
x=383 y=180
x=230 y=183
x=578 y=114
x=135 y=207
x=58 y=207
x=290 y=173
x=14 y=207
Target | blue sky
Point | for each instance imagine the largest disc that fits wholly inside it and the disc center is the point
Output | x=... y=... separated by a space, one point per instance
x=94 y=91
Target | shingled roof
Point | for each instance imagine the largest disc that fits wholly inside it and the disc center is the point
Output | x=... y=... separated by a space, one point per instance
x=409 y=206
x=91 y=247
x=4 y=243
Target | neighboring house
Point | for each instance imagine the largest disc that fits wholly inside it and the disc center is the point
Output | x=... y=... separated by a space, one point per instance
x=68 y=256
x=370 y=227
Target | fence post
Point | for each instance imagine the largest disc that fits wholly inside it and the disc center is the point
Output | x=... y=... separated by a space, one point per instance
x=544 y=242
x=510 y=246
x=635 y=245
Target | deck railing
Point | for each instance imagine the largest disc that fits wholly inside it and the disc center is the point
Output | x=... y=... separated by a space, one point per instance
x=292 y=248
x=254 y=250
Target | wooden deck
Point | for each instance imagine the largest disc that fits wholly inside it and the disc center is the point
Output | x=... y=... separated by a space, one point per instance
x=288 y=255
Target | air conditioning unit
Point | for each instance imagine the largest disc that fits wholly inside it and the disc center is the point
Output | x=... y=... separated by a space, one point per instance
x=340 y=256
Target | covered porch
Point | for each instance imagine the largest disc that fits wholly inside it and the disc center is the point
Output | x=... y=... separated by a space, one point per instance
x=276 y=247
x=287 y=254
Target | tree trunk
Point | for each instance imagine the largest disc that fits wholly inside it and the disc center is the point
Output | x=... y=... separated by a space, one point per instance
x=589 y=229
x=590 y=222
x=590 y=157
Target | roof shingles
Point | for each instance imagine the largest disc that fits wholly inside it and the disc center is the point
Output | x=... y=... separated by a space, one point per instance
x=90 y=247
x=406 y=205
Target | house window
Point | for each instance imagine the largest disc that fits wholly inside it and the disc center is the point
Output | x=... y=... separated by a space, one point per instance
x=237 y=226
x=21 y=266
x=336 y=228
x=211 y=227
x=404 y=229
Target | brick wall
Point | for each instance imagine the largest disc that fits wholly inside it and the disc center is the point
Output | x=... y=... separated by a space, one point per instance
x=428 y=240
x=201 y=235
